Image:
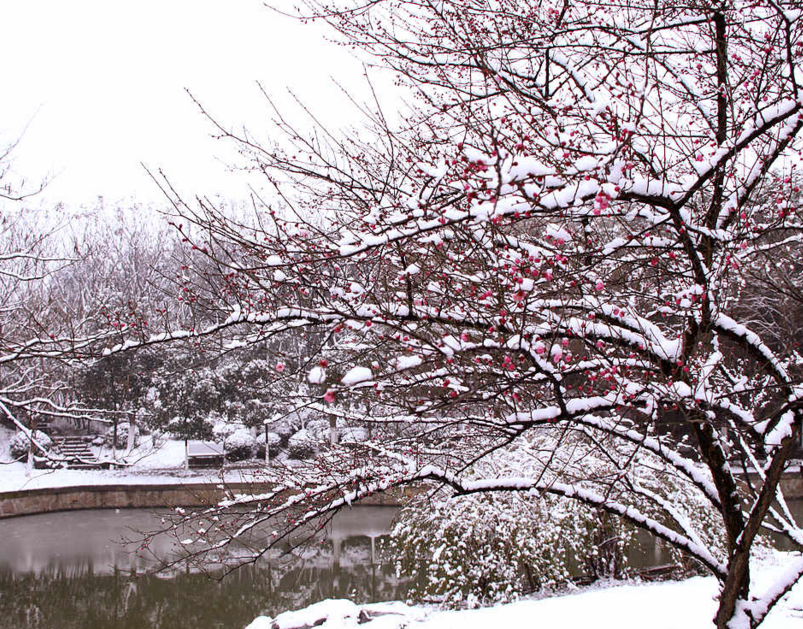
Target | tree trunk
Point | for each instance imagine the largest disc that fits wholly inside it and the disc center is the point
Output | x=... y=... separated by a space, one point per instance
x=267 y=445
x=332 y=429
x=131 y=435
x=737 y=587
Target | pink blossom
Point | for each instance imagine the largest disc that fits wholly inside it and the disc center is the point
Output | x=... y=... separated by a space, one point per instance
x=329 y=397
x=601 y=203
x=280 y=367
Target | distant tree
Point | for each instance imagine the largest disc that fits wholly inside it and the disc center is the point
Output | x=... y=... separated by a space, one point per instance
x=14 y=187
x=40 y=338
x=561 y=240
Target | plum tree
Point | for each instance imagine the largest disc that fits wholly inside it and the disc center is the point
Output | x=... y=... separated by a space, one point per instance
x=557 y=241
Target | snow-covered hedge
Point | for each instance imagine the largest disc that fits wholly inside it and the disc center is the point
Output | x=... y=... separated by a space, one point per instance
x=494 y=547
x=301 y=445
x=239 y=445
x=20 y=443
x=222 y=428
x=318 y=430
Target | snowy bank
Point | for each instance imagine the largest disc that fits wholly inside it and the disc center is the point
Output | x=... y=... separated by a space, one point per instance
x=688 y=604
x=159 y=463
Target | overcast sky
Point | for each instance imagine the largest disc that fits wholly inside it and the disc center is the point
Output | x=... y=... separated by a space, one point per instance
x=99 y=84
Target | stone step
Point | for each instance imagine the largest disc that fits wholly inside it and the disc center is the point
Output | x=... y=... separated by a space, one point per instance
x=76 y=448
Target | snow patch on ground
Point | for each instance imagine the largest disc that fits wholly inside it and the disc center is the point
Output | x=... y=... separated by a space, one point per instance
x=690 y=604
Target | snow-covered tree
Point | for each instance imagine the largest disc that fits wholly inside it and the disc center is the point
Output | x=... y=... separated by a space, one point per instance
x=559 y=239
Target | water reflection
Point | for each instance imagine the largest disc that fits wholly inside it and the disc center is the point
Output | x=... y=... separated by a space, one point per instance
x=67 y=570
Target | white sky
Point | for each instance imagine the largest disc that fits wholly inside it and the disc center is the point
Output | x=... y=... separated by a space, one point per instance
x=100 y=86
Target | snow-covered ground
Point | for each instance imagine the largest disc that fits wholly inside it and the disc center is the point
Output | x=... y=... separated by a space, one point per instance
x=686 y=604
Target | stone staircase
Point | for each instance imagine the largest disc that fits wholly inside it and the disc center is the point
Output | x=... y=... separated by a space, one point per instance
x=77 y=452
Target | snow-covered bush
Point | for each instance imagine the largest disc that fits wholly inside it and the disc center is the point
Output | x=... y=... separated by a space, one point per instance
x=274 y=444
x=122 y=435
x=239 y=445
x=354 y=434
x=301 y=445
x=284 y=429
x=494 y=547
x=143 y=421
x=318 y=429
x=20 y=443
x=490 y=547
x=221 y=427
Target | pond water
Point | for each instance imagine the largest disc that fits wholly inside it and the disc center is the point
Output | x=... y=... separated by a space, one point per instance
x=70 y=570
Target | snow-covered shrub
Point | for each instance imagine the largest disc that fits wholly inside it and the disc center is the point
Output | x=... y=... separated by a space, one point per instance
x=221 y=427
x=284 y=429
x=274 y=444
x=239 y=445
x=318 y=429
x=494 y=547
x=20 y=443
x=122 y=435
x=354 y=434
x=691 y=506
x=489 y=547
x=301 y=446
x=143 y=421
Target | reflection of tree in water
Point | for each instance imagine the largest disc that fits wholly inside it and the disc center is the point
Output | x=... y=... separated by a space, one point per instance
x=76 y=598
x=345 y=572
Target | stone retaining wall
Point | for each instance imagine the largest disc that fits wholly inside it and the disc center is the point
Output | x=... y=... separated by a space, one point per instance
x=791 y=484
x=792 y=487
x=31 y=501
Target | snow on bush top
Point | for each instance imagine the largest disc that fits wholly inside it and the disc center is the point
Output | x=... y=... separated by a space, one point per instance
x=357 y=375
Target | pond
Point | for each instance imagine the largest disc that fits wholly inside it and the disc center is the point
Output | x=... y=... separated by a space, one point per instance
x=69 y=570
